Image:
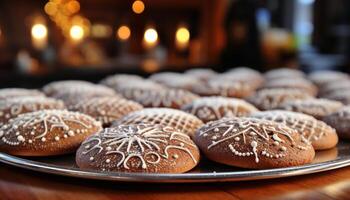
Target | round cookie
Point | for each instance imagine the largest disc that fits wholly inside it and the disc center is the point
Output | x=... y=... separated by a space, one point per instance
x=46 y=133
x=317 y=108
x=244 y=74
x=340 y=120
x=12 y=107
x=105 y=109
x=329 y=88
x=201 y=73
x=340 y=95
x=300 y=84
x=118 y=79
x=178 y=119
x=283 y=73
x=253 y=143
x=223 y=87
x=169 y=98
x=267 y=99
x=58 y=86
x=214 y=108
x=128 y=89
x=175 y=80
x=19 y=92
x=317 y=132
x=138 y=148
x=320 y=78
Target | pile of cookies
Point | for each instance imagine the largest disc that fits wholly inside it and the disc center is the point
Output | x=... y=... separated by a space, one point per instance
x=165 y=123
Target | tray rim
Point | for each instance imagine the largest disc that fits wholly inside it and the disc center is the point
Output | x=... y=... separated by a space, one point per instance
x=232 y=176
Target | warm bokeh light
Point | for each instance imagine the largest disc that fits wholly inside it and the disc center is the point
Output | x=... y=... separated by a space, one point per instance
x=76 y=32
x=39 y=31
x=73 y=7
x=50 y=8
x=101 y=31
x=182 y=37
x=123 y=32
x=150 y=37
x=138 y=7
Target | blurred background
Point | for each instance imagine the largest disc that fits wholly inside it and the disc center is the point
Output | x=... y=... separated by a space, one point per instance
x=46 y=40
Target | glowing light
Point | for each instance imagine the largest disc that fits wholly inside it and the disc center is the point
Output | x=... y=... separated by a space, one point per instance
x=150 y=37
x=73 y=7
x=138 y=7
x=182 y=37
x=39 y=31
x=50 y=8
x=101 y=30
x=123 y=32
x=76 y=32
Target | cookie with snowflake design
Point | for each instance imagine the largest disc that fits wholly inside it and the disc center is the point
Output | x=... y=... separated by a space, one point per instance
x=138 y=148
x=46 y=132
x=253 y=143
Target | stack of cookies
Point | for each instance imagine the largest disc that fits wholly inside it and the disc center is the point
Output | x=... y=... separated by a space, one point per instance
x=166 y=122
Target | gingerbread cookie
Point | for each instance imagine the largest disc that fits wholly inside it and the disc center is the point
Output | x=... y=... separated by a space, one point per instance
x=267 y=99
x=253 y=143
x=55 y=87
x=340 y=120
x=283 y=73
x=19 y=92
x=317 y=108
x=138 y=148
x=119 y=79
x=105 y=109
x=175 y=80
x=301 y=84
x=46 y=132
x=214 y=108
x=320 y=78
x=317 y=132
x=178 y=119
x=201 y=73
x=12 y=107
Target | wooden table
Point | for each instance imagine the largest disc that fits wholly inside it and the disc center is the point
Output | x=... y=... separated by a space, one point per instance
x=17 y=183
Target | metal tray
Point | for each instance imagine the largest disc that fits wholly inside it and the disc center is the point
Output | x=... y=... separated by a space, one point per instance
x=206 y=171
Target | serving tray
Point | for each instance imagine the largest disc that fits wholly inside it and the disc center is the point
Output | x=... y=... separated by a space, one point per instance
x=207 y=171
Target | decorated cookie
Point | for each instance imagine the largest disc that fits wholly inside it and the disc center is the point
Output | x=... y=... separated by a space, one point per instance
x=340 y=95
x=244 y=74
x=224 y=87
x=58 y=86
x=253 y=143
x=128 y=89
x=214 y=108
x=19 y=92
x=340 y=120
x=201 y=73
x=320 y=78
x=46 y=132
x=119 y=79
x=12 y=107
x=317 y=108
x=267 y=99
x=292 y=83
x=333 y=87
x=283 y=73
x=175 y=80
x=105 y=109
x=317 y=132
x=170 y=98
x=138 y=148
x=180 y=120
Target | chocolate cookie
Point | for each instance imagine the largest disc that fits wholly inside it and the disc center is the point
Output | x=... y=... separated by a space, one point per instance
x=317 y=132
x=317 y=108
x=12 y=107
x=180 y=120
x=105 y=109
x=340 y=120
x=214 y=108
x=138 y=148
x=267 y=99
x=253 y=143
x=19 y=92
x=46 y=132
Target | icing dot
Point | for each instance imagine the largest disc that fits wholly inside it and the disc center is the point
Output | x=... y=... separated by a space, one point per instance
x=30 y=141
x=91 y=158
x=65 y=136
x=216 y=129
x=276 y=143
x=283 y=149
x=87 y=146
x=175 y=156
x=70 y=133
x=20 y=138
x=57 y=138
x=107 y=148
x=32 y=133
x=43 y=139
x=252 y=133
x=182 y=144
x=17 y=133
x=108 y=161
x=214 y=137
x=237 y=139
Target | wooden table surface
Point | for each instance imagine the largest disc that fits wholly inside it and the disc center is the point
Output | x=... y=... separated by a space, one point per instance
x=17 y=183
